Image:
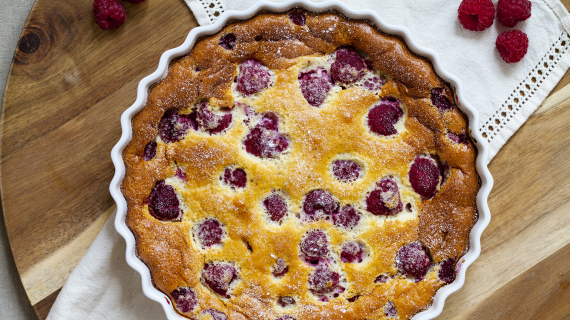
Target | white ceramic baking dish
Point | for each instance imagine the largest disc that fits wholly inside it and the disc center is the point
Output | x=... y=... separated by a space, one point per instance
x=483 y=149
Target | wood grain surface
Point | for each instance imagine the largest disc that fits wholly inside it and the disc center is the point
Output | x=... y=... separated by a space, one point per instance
x=70 y=82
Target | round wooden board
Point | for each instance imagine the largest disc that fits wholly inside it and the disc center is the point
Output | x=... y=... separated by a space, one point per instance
x=70 y=82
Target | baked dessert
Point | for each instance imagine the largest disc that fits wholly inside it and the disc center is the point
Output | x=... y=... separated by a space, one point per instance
x=300 y=166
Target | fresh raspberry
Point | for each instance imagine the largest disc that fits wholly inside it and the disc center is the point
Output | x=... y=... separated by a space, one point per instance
x=510 y=12
x=109 y=14
x=512 y=45
x=476 y=15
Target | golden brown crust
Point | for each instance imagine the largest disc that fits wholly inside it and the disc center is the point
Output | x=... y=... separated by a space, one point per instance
x=317 y=136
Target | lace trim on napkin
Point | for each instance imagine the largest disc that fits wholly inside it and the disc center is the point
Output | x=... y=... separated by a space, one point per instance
x=526 y=89
x=213 y=9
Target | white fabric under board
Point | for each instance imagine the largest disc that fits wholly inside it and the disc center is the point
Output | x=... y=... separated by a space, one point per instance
x=103 y=286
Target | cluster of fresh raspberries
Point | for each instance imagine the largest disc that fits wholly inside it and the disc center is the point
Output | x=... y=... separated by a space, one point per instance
x=110 y=14
x=478 y=15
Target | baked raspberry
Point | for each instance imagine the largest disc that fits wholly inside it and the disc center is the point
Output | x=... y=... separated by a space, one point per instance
x=510 y=12
x=149 y=151
x=164 y=204
x=216 y=315
x=352 y=252
x=315 y=86
x=228 y=41
x=385 y=199
x=348 y=66
x=285 y=301
x=319 y=204
x=210 y=232
x=298 y=18
x=458 y=138
x=383 y=116
x=253 y=77
x=323 y=280
x=390 y=309
x=285 y=317
x=236 y=178
x=413 y=260
x=180 y=174
x=315 y=244
x=446 y=271
x=173 y=126
x=352 y=299
x=346 y=218
x=512 y=45
x=280 y=268
x=425 y=176
x=211 y=122
x=184 y=298
x=373 y=83
x=346 y=170
x=219 y=276
x=381 y=279
x=440 y=100
x=264 y=140
x=275 y=206
x=476 y=15
x=109 y=14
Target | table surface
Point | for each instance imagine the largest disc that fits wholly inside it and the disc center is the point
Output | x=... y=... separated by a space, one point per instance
x=70 y=81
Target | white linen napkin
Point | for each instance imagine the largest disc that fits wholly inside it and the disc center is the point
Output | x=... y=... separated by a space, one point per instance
x=103 y=286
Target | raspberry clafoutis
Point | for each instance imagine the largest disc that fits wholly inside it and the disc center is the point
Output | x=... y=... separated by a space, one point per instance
x=300 y=166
